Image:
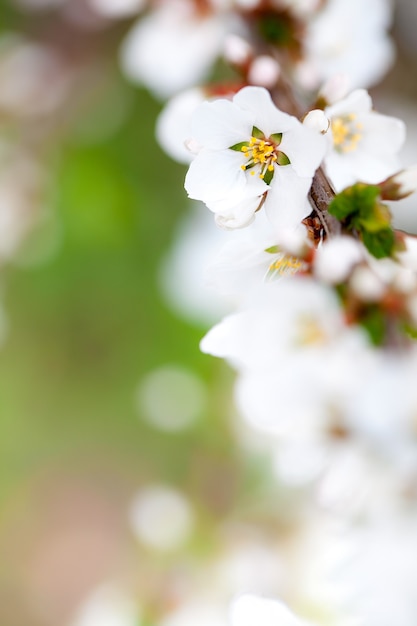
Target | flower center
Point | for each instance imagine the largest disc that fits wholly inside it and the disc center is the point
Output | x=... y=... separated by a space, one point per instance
x=262 y=154
x=285 y=264
x=259 y=152
x=346 y=133
x=310 y=333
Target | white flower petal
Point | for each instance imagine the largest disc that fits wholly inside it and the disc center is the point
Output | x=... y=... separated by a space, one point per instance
x=267 y=117
x=220 y=124
x=305 y=147
x=286 y=203
x=249 y=609
x=247 y=203
x=171 y=48
x=173 y=126
x=383 y=135
x=239 y=216
x=336 y=258
x=358 y=101
x=214 y=176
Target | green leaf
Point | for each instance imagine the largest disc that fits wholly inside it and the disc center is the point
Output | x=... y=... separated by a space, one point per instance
x=273 y=249
x=380 y=244
x=375 y=219
x=359 y=199
x=276 y=138
x=342 y=206
x=282 y=158
x=257 y=133
x=238 y=146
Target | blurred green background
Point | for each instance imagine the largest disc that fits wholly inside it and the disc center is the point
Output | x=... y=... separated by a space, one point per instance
x=85 y=324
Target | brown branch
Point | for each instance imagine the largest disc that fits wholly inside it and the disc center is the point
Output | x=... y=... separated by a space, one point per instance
x=321 y=195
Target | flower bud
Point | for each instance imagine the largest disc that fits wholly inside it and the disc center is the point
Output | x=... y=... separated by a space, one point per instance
x=317 y=120
x=366 y=285
x=237 y=50
x=334 y=89
x=336 y=258
x=401 y=185
x=264 y=71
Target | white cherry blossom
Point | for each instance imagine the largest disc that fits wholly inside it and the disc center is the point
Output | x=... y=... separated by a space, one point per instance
x=253 y=155
x=290 y=336
x=173 y=126
x=344 y=38
x=173 y=47
x=336 y=258
x=365 y=144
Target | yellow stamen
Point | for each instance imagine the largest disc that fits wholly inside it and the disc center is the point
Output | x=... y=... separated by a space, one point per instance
x=286 y=264
x=345 y=133
x=310 y=332
x=260 y=152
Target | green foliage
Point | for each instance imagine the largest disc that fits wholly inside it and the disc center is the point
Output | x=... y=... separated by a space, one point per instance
x=359 y=209
x=380 y=244
x=356 y=200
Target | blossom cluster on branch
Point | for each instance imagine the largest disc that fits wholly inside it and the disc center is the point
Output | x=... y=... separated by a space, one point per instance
x=266 y=102
x=292 y=159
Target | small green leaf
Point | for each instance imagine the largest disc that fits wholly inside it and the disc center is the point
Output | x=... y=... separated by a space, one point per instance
x=238 y=146
x=359 y=199
x=380 y=244
x=257 y=133
x=276 y=138
x=273 y=249
x=376 y=218
x=282 y=158
x=342 y=206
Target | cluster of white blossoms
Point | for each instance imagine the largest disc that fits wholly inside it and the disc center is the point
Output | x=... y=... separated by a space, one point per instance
x=266 y=102
x=322 y=290
x=252 y=155
x=174 y=45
